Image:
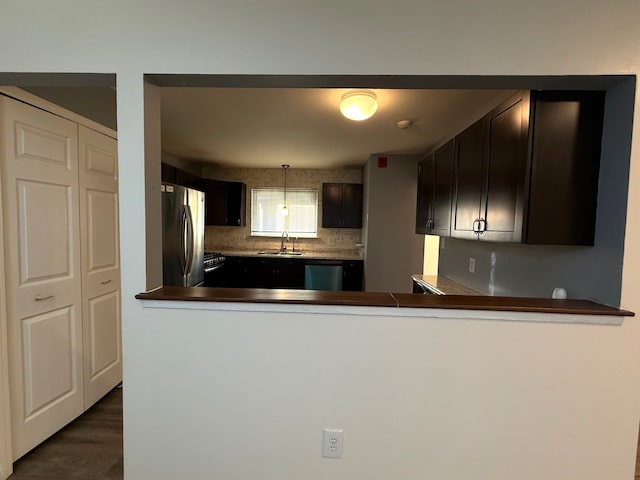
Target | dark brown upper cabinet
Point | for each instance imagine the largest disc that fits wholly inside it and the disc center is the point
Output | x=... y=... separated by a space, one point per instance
x=185 y=178
x=225 y=202
x=491 y=159
x=171 y=174
x=528 y=171
x=342 y=205
x=505 y=165
x=167 y=173
x=565 y=157
x=435 y=181
x=424 y=206
x=467 y=182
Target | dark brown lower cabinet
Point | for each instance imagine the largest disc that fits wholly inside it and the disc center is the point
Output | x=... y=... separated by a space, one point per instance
x=289 y=273
x=238 y=273
x=270 y=272
x=352 y=275
x=263 y=272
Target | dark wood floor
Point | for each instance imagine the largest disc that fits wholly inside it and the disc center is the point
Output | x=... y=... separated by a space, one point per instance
x=89 y=448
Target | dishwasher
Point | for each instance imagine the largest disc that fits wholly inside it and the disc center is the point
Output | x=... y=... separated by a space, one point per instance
x=324 y=276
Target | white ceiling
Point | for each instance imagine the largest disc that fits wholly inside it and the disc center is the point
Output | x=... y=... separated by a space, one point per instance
x=267 y=127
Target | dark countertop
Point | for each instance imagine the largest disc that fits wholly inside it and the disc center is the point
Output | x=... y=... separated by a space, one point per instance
x=270 y=295
x=381 y=299
x=308 y=255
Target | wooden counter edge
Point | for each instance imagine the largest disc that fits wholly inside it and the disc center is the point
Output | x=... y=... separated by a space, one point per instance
x=382 y=299
x=263 y=295
x=508 y=304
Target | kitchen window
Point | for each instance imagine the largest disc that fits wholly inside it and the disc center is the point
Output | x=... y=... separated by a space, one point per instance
x=267 y=219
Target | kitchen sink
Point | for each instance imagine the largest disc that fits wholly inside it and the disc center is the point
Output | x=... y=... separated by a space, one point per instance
x=280 y=254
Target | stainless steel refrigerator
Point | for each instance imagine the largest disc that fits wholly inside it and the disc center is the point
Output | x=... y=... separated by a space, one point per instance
x=182 y=236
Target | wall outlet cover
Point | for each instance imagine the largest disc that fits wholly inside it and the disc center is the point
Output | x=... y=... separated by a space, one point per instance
x=332 y=443
x=472 y=265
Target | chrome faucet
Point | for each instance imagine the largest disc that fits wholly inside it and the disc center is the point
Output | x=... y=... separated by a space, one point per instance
x=282 y=247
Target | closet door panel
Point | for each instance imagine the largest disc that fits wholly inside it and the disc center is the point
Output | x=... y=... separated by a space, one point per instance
x=100 y=264
x=103 y=333
x=102 y=242
x=42 y=269
x=37 y=203
x=44 y=385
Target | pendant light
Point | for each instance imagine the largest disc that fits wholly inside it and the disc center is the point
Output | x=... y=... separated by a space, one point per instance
x=285 y=210
x=358 y=105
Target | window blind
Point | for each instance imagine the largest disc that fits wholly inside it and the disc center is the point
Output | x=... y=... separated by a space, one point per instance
x=266 y=212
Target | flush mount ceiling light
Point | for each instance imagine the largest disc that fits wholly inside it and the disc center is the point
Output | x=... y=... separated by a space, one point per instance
x=358 y=105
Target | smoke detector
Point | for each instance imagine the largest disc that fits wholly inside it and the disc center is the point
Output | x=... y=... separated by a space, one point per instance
x=404 y=124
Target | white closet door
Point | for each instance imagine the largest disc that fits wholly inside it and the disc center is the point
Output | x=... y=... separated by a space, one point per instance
x=100 y=263
x=42 y=268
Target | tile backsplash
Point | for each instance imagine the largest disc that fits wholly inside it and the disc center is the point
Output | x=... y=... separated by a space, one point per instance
x=239 y=238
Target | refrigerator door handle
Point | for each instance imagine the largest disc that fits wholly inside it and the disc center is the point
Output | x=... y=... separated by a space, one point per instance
x=183 y=240
x=190 y=239
x=183 y=237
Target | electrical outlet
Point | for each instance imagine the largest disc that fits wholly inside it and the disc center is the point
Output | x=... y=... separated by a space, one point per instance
x=472 y=265
x=332 y=443
x=442 y=243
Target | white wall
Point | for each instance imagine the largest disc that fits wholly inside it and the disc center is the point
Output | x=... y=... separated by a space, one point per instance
x=392 y=249
x=490 y=399
x=431 y=255
x=245 y=395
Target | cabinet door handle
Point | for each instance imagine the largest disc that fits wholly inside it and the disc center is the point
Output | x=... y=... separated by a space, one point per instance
x=482 y=226
x=476 y=229
x=105 y=282
x=40 y=298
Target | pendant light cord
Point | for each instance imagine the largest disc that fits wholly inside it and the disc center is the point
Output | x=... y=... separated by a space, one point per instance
x=285 y=184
